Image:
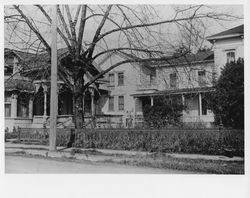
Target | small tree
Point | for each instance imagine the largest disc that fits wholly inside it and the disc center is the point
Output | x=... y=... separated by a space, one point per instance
x=166 y=112
x=228 y=100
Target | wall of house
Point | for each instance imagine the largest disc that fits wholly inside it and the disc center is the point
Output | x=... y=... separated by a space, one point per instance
x=187 y=76
x=221 y=47
x=131 y=78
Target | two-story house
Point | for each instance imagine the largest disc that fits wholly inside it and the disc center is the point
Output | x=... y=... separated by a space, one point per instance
x=190 y=78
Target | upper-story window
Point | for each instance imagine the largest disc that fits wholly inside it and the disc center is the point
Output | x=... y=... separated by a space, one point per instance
x=230 y=56
x=120 y=78
x=173 y=80
x=202 y=77
x=112 y=79
x=8 y=66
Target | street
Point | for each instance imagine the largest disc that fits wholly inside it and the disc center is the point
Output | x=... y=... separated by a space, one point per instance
x=20 y=164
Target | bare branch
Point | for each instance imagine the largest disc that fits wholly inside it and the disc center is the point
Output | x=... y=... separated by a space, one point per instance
x=98 y=31
x=72 y=28
x=129 y=49
x=33 y=28
x=77 y=14
x=64 y=24
x=58 y=30
x=81 y=31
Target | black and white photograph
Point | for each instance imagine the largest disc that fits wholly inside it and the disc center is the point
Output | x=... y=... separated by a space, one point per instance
x=124 y=89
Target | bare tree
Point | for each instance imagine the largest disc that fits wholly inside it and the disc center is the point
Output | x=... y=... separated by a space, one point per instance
x=89 y=33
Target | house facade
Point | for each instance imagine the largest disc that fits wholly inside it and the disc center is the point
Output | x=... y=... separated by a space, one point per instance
x=119 y=99
x=27 y=96
x=190 y=81
x=190 y=78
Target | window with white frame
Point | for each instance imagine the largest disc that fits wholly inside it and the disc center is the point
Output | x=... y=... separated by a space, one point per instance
x=121 y=103
x=202 y=77
x=111 y=79
x=111 y=103
x=204 y=105
x=173 y=80
x=120 y=78
x=7 y=106
x=8 y=65
x=230 y=56
x=22 y=106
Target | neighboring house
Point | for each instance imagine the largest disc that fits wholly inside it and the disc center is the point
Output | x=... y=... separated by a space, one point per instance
x=228 y=46
x=190 y=78
x=122 y=82
x=27 y=92
x=119 y=99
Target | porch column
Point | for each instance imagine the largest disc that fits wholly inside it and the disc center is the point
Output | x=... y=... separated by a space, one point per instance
x=45 y=90
x=152 y=101
x=200 y=105
x=92 y=102
x=83 y=102
x=135 y=103
x=183 y=103
x=13 y=105
x=30 y=108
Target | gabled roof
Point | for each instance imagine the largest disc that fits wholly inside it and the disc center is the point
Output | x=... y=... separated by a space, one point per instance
x=233 y=32
x=41 y=61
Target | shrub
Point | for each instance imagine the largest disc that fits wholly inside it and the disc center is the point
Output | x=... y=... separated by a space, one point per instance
x=200 y=141
x=165 y=112
x=227 y=102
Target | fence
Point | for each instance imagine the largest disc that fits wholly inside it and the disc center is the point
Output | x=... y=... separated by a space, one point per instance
x=202 y=141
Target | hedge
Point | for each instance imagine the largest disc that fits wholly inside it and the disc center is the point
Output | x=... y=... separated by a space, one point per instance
x=199 y=141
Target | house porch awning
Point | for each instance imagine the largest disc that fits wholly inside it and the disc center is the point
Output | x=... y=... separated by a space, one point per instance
x=19 y=85
x=176 y=91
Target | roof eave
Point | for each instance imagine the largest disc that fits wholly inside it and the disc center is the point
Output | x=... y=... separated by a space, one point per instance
x=212 y=38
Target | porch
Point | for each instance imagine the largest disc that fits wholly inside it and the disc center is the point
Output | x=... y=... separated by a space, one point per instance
x=195 y=100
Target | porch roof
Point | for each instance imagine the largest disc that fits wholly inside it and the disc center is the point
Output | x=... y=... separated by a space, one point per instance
x=176 y=91
x=19 y=85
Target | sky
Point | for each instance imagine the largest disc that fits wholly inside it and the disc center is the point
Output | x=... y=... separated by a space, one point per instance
x=162 y=11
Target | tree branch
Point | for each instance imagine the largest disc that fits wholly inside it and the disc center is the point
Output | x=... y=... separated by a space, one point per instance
x=97 y=33
x=58 y=30
x=64 y=25
x=81 y=31
x=48 y=49
x=72 y=27
x=126 y=48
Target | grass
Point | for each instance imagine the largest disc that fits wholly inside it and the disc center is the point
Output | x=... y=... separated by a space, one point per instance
x=194 y=165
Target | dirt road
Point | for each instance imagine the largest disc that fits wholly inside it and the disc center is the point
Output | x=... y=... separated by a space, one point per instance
x=20 y=164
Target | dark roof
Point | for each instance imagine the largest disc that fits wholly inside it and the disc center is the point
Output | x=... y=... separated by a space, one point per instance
x=41 y=61
x=176 y=91
x=236 y=31
x=19 y=85
x=186 y=59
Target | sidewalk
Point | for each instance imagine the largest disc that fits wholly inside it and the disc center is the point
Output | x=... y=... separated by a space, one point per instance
x=98 y=154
